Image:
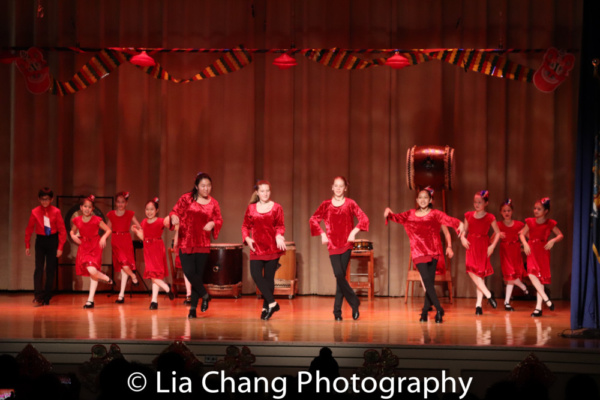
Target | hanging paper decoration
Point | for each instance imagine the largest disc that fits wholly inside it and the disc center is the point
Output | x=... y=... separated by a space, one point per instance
x=489 y=62
x=554 y=70
x=340 y=59
x=35 y=70
x=106 y=61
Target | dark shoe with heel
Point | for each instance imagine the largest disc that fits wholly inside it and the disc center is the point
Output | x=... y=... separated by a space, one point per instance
x=536 y=313
x=88 y=304
x=192 y=313
x=551 y=305
x=492 y=301
x=339 y=318
x=508 y=307
x=170 y=293
x=423 y=317
x=187 y=301
x=439 y=317
x=355 y=314
x=120 y=300
x=205 y=301
x=153 y=306
x=478 y=311
x=271 y=311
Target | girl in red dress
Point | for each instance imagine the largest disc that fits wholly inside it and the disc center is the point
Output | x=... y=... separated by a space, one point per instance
x=84 y=232
x=510 y=252
x=155 y=256
x=538 y=247
x=263 y=231
x=423 y=226
x=120 y=221
x=338 y=215
x=479 y=248
x=195 y=216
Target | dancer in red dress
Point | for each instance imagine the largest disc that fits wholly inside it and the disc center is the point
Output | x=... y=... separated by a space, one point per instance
x=423 y=228
x=263 y=231
x=511 y=260
x=155 y=257
x=538 y=247
x=338 y=215
x=120 y=221
x=195 y=216
x=84 y=232
x=479 y=249
x=51 y=235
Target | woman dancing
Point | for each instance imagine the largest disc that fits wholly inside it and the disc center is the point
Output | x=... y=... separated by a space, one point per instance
x=197 y=214
x=263 y=231
x=338 y=214
x=423 y=225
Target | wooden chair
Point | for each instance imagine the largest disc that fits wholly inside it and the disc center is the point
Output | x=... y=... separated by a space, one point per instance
x=370 y=283
x=414 y=276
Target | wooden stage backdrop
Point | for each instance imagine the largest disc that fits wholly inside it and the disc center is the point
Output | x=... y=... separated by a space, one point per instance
x=297 y=128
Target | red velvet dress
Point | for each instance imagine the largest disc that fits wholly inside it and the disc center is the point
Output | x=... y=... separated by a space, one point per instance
x=339 y=222
x=263 y=227
x=193 y=216
x=478 y=261
x=538 y=262
x=511 y=260
x=121 y=242
x=89 y=252
x=155 y=256
x=424 y=232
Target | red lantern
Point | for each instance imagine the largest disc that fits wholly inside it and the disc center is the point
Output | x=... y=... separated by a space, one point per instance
x=284 y=62
x=397 y=61
x=143 y=60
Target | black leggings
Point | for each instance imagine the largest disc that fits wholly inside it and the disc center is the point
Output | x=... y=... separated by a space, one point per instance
x=427 y=271
x=266 y=283
x=339 y=263
x=193 y=268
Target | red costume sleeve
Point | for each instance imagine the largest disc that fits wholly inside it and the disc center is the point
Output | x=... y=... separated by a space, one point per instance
x=363 y=220
x=247 y=224
x=399 y=218
x=318 y=216
x=62 y=230
x=279 y=222
x=217 y=219
x=447 y=220
x=29 y=230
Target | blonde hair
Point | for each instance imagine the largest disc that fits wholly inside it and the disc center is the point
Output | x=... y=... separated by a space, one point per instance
x=254 y=198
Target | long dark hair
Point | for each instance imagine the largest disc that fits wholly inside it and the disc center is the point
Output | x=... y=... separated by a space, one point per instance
x=199 y=177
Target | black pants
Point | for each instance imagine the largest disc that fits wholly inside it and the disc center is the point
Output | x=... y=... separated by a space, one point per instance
x=45 y=252
x=427 y=271
x=339 y=262
x=193 y=268
x=265 y=283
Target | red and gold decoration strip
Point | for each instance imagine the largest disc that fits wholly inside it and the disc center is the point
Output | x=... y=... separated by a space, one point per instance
x=491 y=62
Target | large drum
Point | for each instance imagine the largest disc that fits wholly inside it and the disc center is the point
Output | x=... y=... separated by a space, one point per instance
x=430 y=166
x=362 y=245
x=223 y=274
x=287 y=269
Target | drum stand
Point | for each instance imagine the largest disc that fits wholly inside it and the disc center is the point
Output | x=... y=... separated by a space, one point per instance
x=414 y=276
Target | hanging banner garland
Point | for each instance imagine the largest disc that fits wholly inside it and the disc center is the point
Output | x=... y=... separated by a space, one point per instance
x=106 y=61
x=553 y=71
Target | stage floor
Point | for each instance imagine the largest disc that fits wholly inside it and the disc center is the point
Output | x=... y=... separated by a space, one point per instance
x=304 y=320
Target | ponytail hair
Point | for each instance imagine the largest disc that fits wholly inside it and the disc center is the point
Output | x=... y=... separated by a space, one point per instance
x=254 y=198
x=199 y=177
x=485 y=195
x=124 y=195
x=154 y=201
x=507 y=202
x=545 y=202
